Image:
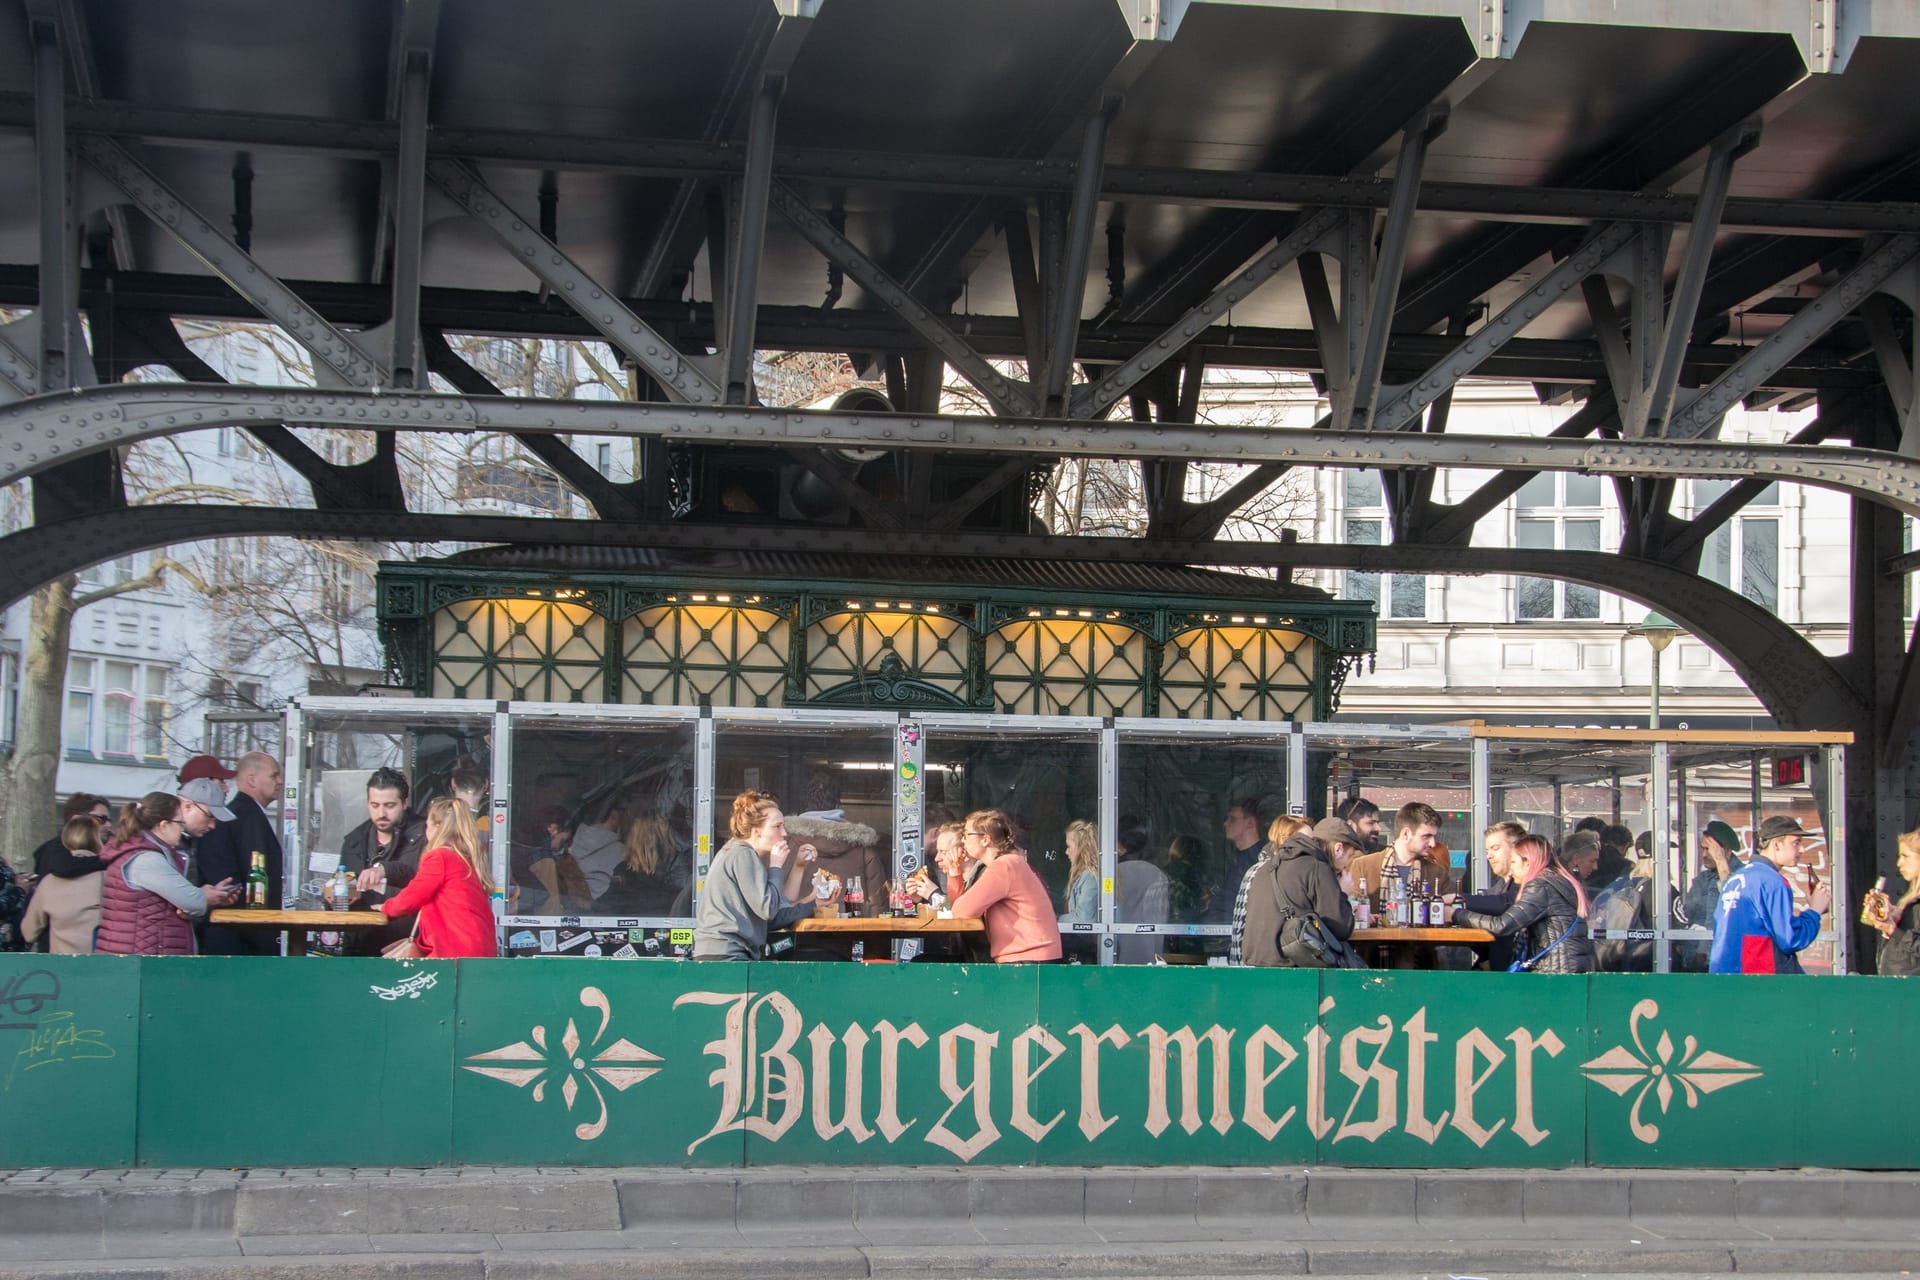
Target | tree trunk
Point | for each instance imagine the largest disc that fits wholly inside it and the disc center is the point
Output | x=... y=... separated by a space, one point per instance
x=30 y=812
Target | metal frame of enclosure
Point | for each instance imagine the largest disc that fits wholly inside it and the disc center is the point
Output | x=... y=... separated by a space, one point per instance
x=1165 y=779
x=1658 y=209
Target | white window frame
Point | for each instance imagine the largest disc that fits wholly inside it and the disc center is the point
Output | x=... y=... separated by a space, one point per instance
x=1383 y=601
x=89 y=698
x=1733 y=535
x=1559 y=514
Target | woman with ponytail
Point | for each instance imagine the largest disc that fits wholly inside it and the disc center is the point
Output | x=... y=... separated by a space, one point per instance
x=1548 y=918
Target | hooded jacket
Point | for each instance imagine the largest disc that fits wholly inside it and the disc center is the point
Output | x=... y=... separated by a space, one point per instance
x=846 y=849
x=1546 y=908
x=1295 y=881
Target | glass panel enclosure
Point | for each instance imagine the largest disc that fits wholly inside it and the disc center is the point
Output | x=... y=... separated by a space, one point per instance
x=426 y=741
x=1711 y=784
x=1787 y=788
x=1041 y=777
x=833 y=769
x=1392 y=768
x=1185 y=836
x=602 y=818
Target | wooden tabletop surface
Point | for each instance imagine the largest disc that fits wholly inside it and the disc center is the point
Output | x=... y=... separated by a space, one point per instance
x=297 y=919
x=886 y=924
x=1445 y=933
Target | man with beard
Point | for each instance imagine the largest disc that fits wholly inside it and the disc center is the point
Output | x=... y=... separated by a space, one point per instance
x=382 y=853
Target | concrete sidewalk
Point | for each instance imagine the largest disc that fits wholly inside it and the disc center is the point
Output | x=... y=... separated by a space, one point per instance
x=572 y=1224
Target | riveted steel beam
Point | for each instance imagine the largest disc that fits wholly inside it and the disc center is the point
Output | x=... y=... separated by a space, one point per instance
x=409 y=210
x=1800 y=686
x=1093 y=400
x=330 y=346
x=1389 y=264
x=743 y=301
x=1651 y=414
x=19 y=375
x=1005 y=394
x=610 y=317
x=1604 y=247
x=39 y=433
x=1071 y=287
x=1701 y=415
x=1011 y=177
x=53 y=167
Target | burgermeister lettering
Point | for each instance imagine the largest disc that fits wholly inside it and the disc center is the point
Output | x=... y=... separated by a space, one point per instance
x=964 y=1086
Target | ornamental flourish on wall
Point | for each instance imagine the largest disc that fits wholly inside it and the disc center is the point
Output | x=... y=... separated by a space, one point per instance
x=621 y=1064
x=1689 y=1073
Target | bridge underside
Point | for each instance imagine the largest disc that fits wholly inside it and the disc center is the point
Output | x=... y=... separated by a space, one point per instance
x=1659 y=211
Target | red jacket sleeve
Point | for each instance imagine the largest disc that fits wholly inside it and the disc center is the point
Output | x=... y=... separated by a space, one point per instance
x=425 y=884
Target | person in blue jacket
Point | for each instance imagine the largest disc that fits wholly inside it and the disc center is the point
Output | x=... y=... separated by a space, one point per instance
x=1755 y=928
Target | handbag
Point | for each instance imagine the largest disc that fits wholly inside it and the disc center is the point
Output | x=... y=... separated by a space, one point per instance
x=407 y=948
x=1306 y=942
x=1525 y=964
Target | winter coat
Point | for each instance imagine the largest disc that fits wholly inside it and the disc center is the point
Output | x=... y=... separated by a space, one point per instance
x=401 y=859
x=1295 y=881
x=636 y=893
x=456 y=920
x=1546 y=909
x=845 y=849
x=226 y=852
x=139 y=922
x=1755 y=928
x=67 y=910
x=1899 y=956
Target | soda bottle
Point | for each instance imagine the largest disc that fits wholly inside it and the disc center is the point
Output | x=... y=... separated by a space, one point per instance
x=257 y=882
x=856 y=896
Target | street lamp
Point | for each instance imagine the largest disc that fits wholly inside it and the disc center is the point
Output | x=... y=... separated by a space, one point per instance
x=1658 y=632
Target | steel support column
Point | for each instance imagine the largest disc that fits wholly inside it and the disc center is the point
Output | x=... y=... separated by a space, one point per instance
x=1004 y=394
x=628 y=333
x=410 y=199
x=1652 y=419
x=1389 y=264
x=58 y=269
x=743 y=303
x=331 y=348
x=1701 y=416
x=1071 y=290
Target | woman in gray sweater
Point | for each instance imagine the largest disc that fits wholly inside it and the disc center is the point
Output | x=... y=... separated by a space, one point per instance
x=755 y=884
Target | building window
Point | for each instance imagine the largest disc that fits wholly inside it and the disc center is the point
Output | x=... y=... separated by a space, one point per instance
x=603 y=459
x=1396 y=595
x=1556 y=512
x=111 y=573
x=1744 y=553
x=116 y=710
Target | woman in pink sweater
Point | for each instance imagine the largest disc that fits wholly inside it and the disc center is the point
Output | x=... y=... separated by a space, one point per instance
x=1008 y=895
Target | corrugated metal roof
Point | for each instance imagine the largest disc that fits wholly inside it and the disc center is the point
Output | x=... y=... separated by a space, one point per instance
x=923 y=573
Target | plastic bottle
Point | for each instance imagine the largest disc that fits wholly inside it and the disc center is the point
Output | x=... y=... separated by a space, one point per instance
x=1362 y=908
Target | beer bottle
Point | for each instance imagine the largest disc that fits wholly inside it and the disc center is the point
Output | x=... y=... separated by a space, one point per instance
x=257 y=881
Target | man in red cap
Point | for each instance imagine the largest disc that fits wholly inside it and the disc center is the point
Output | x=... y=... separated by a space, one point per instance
x=205 y=767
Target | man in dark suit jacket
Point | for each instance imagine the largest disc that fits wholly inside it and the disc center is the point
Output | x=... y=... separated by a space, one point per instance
x=381 y=854
x=227 y=852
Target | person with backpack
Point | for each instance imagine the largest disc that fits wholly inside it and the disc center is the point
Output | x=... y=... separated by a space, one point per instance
x=1294 y=883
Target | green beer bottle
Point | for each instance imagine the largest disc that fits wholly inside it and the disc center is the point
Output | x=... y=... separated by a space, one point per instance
x=257 y=882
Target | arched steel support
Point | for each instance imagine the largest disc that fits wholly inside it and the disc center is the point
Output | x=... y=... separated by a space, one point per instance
x=43 y=431
x=1800 y=686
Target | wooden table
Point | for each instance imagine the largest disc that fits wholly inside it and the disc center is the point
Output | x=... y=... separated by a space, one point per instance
x=295 y=924
x=877 y=931
x=1413 y=946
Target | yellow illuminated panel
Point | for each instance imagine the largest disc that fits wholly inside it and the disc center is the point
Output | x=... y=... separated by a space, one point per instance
x=1228 y=673
x=520 y=649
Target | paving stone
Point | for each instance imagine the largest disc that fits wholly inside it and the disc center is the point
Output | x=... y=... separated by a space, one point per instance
x=668 y=1200
x=1145 y=1194
x=180 y=1207
x=1870 y=1196
x=550 y=1241
x=1441 y=1197
x=1360 y=1192
x=45 y=1209
x=1578 y=1195
x=1699 y=1196
x=798 y=1199
x=911 y=1200
x=1257 y=1195
x=997 y=1198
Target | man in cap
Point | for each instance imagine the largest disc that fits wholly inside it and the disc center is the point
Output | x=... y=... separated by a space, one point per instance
x=1343 y=844
x=227 y=851
x=1755 y=928
x=206 y=767
x=1693 y=909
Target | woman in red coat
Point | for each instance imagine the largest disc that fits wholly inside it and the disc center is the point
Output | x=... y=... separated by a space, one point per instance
x=452 y=890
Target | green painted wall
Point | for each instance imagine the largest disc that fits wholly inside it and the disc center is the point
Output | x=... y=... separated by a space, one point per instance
x=233 y=1062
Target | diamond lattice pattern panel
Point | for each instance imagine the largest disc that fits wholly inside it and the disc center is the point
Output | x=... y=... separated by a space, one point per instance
x=1237 y=673
x=931 y=647
x=682 y=655
x=525 y=650
x=1057 y=667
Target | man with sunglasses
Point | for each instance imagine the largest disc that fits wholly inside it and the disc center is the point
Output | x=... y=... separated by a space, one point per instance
x=54 y=858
